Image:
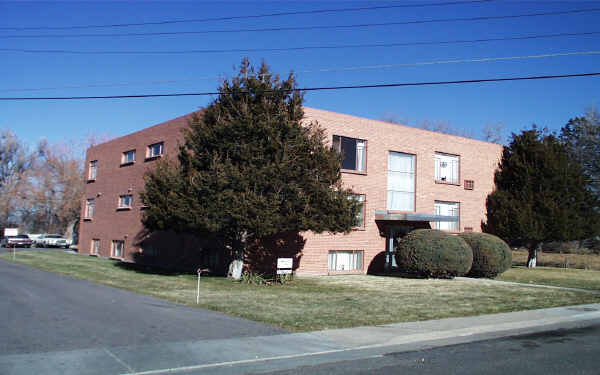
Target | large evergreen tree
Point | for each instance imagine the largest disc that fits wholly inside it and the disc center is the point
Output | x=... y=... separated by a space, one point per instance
x=250 y=168
x=542 y=194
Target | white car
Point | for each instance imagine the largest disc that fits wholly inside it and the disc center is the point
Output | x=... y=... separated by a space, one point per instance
x=52 y=240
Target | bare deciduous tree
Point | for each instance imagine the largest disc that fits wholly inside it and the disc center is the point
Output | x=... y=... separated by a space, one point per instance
x=435 y=126
x=492 y=132
x=15 y=164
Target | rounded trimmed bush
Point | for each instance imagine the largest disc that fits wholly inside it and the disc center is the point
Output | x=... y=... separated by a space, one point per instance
x=491 y=255
x=433 y=253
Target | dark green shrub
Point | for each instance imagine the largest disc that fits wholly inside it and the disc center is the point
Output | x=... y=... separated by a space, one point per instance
x=491 y=255
x=433 y=253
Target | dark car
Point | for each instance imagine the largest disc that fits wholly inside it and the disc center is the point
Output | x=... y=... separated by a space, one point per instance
x=20 y=240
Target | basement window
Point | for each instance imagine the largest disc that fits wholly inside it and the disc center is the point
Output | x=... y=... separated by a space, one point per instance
x=345 y=260
x=95 y=248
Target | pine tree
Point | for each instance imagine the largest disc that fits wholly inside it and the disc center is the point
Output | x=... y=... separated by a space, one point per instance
x=250 y=168
x=541 y=195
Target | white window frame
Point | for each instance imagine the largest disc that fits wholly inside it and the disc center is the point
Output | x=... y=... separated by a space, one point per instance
x=125 y=158
x=156 y=149
x=117 y=245
x=125 y=200
x=445 y=208
x=93 y=170
x=95 y=248
x=447 y=168
x=354 y=260
x=410 y=174
x=89 y=208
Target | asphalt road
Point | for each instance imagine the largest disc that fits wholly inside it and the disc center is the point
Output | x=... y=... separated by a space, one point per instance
x=46 y=312
x=563 y=351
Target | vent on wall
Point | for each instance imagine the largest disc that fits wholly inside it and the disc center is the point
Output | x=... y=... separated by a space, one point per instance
x=469 y=184
x=468 y=229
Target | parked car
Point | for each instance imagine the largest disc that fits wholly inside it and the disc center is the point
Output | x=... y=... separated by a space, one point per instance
x=52 y=240
x=34 y=238
x=20 y=240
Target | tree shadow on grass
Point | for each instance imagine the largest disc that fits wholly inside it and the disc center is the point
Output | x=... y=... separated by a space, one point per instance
x=152 y=269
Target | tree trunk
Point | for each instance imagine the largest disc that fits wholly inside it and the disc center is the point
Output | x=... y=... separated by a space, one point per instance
x=237 y=264
x=532 y=258
x=235 y=269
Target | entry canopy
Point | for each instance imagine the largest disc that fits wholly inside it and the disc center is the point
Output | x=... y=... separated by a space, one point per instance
x=384 y=215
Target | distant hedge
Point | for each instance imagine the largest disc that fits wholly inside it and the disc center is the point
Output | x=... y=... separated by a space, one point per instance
x=491 y=255
x=433 y=253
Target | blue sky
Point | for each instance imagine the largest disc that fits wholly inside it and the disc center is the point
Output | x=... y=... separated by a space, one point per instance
x=517 y=105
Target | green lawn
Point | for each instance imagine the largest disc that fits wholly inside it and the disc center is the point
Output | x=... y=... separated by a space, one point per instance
x=565 y=277
x=317 y=302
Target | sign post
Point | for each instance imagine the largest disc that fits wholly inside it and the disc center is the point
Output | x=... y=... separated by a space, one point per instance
x=199 y=271
x=284 y=266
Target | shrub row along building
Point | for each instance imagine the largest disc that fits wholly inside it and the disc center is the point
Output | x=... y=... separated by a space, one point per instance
x=404 y=177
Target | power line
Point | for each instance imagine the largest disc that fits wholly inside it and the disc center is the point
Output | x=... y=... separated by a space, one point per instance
x=300 y=48
x=454 y=61
x=305 y=89
x=279 y=14
x=297 y=28
x=330 y=70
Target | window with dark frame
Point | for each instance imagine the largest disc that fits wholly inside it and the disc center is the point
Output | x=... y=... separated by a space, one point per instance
x=354 y=152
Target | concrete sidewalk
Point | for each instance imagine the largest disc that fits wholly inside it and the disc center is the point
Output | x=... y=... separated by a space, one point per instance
x=288 y=351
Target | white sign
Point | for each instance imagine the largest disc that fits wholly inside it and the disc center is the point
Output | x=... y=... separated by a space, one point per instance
x=284 y=272
x=284 y=262
x=11 y=231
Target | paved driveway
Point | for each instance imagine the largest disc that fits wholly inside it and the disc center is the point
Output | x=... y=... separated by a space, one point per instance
x=44 y=312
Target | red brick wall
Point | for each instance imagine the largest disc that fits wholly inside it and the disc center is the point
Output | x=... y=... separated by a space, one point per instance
x=113 y=180
x=478 y=161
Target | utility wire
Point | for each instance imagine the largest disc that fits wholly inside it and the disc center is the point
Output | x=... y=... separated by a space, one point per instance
x=305 y=89
x=296 y=28
x=331 y=70
x=300 y=48
x=279 y=14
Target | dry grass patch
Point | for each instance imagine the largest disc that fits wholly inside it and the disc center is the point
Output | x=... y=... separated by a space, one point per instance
x=314 y=303
x=581 y=261
x=563 y=277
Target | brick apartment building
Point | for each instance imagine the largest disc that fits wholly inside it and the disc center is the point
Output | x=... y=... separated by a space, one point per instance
x=406 y=178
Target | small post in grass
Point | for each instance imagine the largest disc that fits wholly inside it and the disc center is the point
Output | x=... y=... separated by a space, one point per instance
x=14 y=251
x=199 y=271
